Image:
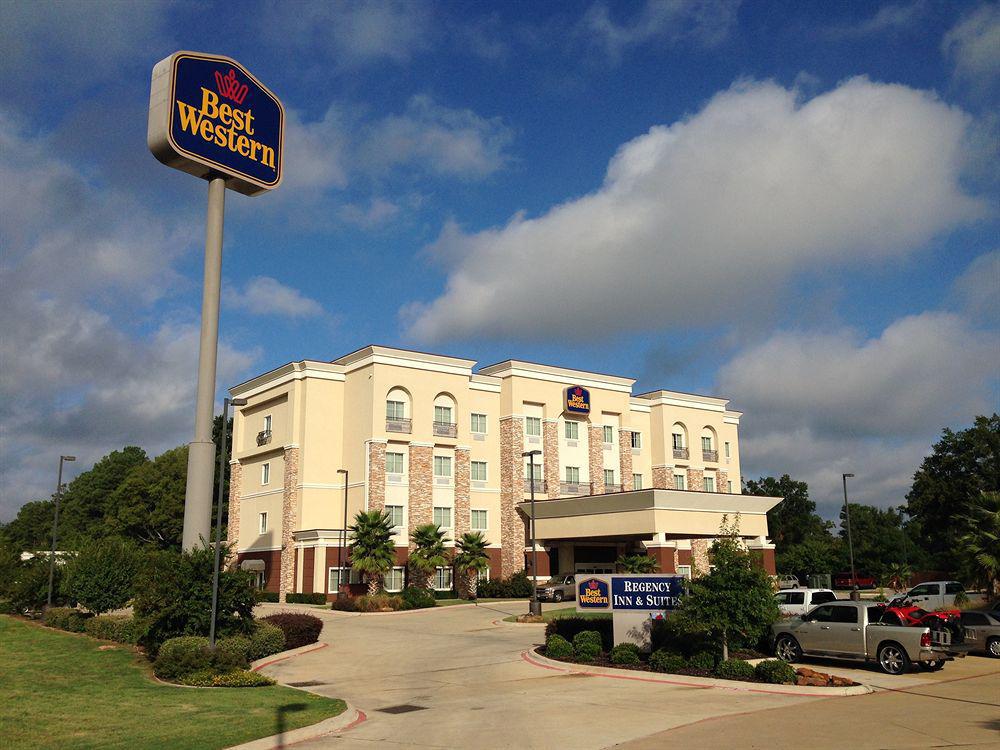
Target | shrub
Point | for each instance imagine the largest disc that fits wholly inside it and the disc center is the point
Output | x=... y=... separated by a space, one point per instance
x=378 y=603
x=305 y=598
x=734 y=669
x=265 y=640
x=775 y=671
x=231 y=653
x=415 y=597
x=182 y=656
x=703 y=660
x=118 y=628
x=557 y=647
x=29 y=585
x=299 y=628
x=568 y=627
x=516 y=587
x=450 y=594
x=102 y=576
x=173 y=594
x=625 y=653
x=587 y=645
x=344 y=604
x=666 y=661
x=267 y=596
x=232 y=678
x=65 y=618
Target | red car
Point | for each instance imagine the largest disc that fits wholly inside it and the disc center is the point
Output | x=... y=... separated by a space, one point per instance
x=861 y=580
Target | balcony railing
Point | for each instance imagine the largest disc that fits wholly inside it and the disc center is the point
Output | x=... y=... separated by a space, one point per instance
x=574 y=488
x=681 y=453
x=446 y=429
x=540 y=485
x=710 y=455
x=612 y=488
x=398 y=424
x=263 y=437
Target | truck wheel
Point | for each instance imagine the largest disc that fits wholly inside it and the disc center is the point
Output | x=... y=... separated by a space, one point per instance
x=993 y=648
x=787 y=649
x=932 y=666
x=558 y=596
x=892 y=659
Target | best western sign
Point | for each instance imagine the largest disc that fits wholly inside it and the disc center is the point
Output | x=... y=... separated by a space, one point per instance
x=635 y=593
x=577 y=400
x=209 y=115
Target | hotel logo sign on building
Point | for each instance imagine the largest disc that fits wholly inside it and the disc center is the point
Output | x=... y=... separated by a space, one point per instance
x=577 y=400
x=208 y=114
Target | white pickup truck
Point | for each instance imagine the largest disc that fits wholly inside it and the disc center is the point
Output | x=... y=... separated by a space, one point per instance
x=792 y=602
x=851 y=630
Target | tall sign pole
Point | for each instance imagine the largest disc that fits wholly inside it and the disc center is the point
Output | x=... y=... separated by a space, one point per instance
x=210 y=117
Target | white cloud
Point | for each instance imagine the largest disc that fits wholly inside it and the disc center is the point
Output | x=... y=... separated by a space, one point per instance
x=819 y=404
x=973 y=45
x=977 y=290
x=378 y=213
x=888 y=19
x=725 y=206
x=315 y=158
x=263 y=295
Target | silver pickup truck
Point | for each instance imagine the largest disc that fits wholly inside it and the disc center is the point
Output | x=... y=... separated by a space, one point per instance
x=851 y=630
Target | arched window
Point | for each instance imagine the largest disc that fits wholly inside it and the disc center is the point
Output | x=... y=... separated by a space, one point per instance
x=398 y=411
x=680 y=440
x=709 y=444
x=445 y=415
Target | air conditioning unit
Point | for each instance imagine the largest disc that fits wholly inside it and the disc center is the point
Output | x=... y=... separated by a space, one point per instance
x=478 y=436
x=394 y=478
x=571 y=443
x=534 y=439
x=479 y=485
x=442 y=480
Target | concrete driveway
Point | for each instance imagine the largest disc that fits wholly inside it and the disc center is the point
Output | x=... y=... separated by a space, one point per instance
x=454 y=678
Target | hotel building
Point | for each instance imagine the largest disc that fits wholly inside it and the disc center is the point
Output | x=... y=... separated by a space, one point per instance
x=433 y=439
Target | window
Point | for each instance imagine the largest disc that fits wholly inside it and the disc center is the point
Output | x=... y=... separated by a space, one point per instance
x=265 y=473
x=609 y=433
x=822 y=597
x=395 y=514
x=394 y=410
x=267 y=423
x=609 y=476
x=678 y=441
x=883 y=617
x=684 y=570
x=637 y=481
x=729 y=486
x=974 y=618
x=478 y=471
x=924 y=589
x=679 y=482
x=845 y=615
x=443 y=579
x=796 y=597
x=572 y=430
x=533 y=426
x=954 y=588
x=706 y=443
x=393 y=463
x=442 y=414
x=442 y=517
x=393 y=580
x=333 y=577
x=709 y=484
x=480 y=520
x=442 y=466
x=479 y=424
x=636 y=440
x=821 y=614
x=262 y=522
x=533 y=471
x=259 y=579
x=573 y=474
x=484 y=575
x=728 y=454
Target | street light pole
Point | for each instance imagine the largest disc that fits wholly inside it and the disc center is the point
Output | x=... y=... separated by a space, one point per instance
x=218 y=515
x=341 y=592
x=535 y=607
x=850 y=543
x=55 y=526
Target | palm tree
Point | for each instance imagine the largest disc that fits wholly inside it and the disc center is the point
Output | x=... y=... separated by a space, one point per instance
x=372 y=549
x=982 y=543
x=471 y=560
x=637 y=564
x=428 y=553
x=899 y=576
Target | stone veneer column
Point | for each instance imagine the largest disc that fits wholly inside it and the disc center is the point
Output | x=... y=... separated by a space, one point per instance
x=694 y=480
x=663 y=477
x=595 y=458
x=289 y=520
x=722 y=477
x=550 y=446
x=233 y=513
x=625 y=458
x=421 y=480
x=699 y=557
x=462 y=518
x=376 y=475
x=512 y=525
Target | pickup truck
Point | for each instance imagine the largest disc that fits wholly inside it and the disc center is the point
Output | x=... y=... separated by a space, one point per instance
x=846 y=581
x=851 y=630
x=797 y=601
x=935 y=594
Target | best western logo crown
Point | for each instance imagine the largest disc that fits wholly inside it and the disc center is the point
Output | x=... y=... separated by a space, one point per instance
x=230 y=87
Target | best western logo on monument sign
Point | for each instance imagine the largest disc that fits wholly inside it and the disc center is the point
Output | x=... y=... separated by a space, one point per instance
x=208 y=114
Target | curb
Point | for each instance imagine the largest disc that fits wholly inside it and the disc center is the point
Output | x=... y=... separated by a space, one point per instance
x=348 y=719
x=282 y=655
x=536 y=659
x=520 y=624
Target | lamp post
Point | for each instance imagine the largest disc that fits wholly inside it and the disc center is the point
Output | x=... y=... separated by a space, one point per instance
x=55 y=526
x=341 y=591
x=535 y=606
x=850 y=543
x=226 y=402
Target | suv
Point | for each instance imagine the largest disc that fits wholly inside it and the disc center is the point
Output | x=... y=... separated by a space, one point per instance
x=797 y=601
x=558 y=588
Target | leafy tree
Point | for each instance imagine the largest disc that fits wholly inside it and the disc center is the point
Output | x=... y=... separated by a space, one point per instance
x=733 y=601
x=471 y=559
x=371 y=547
x=794 y=519
x=898 y=576
x=102 y=576
x=637 y=563
x=149 y=505
x=948 y=484
x=880 y=540
x=813 y=556
x=83 y=505
x=28 y=587
x=981 y=544
x=31 y=529
x=428 y=553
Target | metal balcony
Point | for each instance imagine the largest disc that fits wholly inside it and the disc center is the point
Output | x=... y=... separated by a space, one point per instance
x=710 y=455
x=681 y=453
x=612 y=488
x=574 y=488
x=398 y=425
x=446 y=429
x=540 y=485
x=263 y=437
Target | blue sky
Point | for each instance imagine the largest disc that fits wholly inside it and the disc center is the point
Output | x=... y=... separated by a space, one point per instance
x=793 y=205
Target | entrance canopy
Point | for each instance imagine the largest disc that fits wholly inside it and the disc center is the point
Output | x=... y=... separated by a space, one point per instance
x=679 y=514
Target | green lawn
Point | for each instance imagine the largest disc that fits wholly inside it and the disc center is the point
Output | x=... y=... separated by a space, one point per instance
x=452 y=602
x=552 y=614
x=58 y=690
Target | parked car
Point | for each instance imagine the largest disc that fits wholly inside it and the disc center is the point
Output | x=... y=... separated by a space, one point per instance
x=862 y=580
x=788 y=582
x=849 y=630
x=935 y=594
x=797 y=601
x=558 y=588
x=984 y=627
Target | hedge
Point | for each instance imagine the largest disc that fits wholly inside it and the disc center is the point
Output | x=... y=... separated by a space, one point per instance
x=557 y=647
x=416 y=597
x=189 y=655
x=265 y=640
x=377 y=603
x=702 y=660
x=734 y=669
x=299 y=628
x=666 y=661
x=233 y=678
x=587 y=645
x=267 y=596
x=625 y=653
x=568 y=627
x=66 y=618
x=516 y=587
x=775 y=671
x=305 y=598
x=118 y=628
